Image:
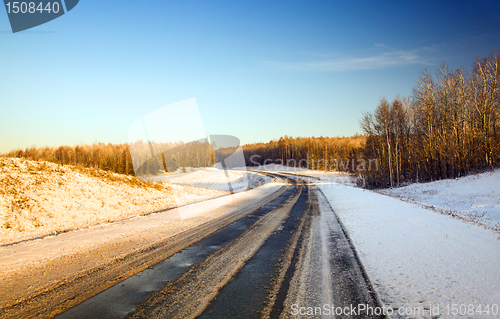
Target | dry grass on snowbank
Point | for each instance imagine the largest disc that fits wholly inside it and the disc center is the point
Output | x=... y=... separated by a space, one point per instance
x=40 y=198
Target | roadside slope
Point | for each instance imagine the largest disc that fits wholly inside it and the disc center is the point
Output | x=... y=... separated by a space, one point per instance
x=41 y=278
x=42 y=198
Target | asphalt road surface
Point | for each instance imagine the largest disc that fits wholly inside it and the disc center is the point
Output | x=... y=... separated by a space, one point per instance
x=283 y=256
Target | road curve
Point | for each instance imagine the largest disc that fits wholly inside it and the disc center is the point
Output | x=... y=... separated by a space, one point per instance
x=56 y=286
x=296 y=258
x=277 y=257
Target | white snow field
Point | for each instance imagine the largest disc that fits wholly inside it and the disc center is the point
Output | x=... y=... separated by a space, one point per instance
x=474 y=198
x=419 y=261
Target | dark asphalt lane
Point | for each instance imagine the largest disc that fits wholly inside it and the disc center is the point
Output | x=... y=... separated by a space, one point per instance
x=259 y=289
x=248 y=294
x=121 y=299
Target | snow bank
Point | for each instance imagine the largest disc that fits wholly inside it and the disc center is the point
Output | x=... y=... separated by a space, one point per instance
x=40 y=198
x=416 y=257
x=215 y=178
x=474 y=198
x=141 y=230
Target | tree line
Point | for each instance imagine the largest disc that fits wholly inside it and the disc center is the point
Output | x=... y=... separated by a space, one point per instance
x=320 y=153
x=449 y=127
x=323 y=153
x=110 y=157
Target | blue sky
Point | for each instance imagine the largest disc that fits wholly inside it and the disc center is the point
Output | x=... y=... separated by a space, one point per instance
x=258 y=69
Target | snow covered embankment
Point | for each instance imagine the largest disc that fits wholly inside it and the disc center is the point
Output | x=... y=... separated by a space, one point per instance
x=418 y=258
x=475 y=198
x=40 y=198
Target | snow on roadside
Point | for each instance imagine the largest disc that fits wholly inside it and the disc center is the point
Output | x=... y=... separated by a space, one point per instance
x=276 y=168
x=146 y=229
x=474 y=198
x=333 y=177
x=40 y=198
x=216 y=179
x=330 y=177
x=416 y=257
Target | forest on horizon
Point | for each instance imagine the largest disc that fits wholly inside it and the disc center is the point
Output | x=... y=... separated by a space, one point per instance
x=449 y=127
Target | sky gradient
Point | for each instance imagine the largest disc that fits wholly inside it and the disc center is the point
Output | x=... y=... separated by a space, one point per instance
x=258 y=69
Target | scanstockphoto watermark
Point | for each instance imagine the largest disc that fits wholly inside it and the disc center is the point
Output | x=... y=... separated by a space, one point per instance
x=347 y=311
x=362 y=310
x=358 y=165
x=432 y=310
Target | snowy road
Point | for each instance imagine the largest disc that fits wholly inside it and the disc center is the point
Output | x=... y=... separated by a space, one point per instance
x=263 y=265
x=44 y=277
x=302 y=247
x=257 y=257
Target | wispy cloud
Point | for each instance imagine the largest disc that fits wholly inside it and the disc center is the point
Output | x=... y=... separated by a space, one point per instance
x=334 y=63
